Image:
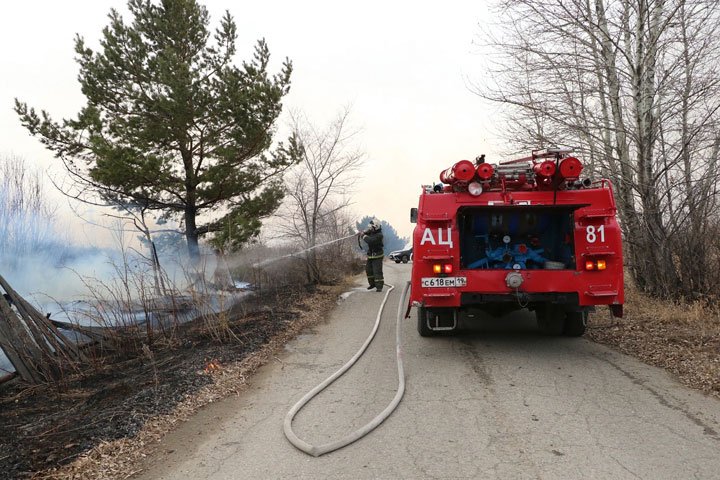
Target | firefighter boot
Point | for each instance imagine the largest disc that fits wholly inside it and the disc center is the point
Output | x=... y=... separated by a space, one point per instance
x=370 y=274
x=377 y=273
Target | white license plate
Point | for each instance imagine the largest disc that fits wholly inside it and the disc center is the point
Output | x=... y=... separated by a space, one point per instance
x=430 y=282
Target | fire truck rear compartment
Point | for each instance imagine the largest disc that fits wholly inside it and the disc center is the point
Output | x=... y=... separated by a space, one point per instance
x=517 y=237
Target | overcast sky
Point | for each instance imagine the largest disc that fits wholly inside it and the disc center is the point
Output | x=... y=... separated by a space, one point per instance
x=403 y=66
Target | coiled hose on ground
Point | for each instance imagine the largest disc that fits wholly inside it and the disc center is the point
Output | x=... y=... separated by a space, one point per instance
x=317 y=450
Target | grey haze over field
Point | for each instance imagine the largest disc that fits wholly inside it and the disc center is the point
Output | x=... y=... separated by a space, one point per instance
x=403 y=66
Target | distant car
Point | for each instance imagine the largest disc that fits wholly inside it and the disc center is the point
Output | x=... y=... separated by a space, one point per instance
x=401 y=255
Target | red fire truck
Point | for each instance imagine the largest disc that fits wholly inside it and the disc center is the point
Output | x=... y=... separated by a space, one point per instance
x=526 y=233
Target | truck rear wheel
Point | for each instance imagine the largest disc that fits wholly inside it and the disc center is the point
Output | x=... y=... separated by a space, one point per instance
x=575 y=324
x=550 y=319
x=443 y=319
x=422 y=323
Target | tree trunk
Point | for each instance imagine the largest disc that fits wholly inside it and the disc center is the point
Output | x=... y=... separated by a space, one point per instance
x=625 y=177
x=191 y=235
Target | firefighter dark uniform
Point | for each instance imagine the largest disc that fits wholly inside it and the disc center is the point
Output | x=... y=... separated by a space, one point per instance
x=373 y=237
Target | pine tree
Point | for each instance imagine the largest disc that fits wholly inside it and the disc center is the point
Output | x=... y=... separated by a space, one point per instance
x=172 y=123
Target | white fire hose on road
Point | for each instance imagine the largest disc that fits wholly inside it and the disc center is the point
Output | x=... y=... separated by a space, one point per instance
x=317 y=450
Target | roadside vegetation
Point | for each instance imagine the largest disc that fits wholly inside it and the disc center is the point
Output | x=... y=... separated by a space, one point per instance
x=98 y=422
x=153 y=356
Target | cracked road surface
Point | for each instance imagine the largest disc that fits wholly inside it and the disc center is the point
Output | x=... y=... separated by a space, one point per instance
x=497 y=400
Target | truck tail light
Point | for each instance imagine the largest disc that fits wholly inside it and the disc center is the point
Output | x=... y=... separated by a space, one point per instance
x=442 y=268
x=598 y=265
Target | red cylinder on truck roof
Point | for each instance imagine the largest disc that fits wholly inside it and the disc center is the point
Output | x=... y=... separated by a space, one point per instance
x=570 y=168
x=462 y=171
x=485 y=171
x=544 y=169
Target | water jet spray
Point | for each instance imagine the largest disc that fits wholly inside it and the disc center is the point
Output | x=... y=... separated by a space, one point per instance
x=271 y=260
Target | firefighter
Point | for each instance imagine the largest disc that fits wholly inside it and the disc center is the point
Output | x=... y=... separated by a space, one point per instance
x=373 y=268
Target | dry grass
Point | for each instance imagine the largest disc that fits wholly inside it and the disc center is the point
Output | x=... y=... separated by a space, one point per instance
x=682 y=338
x=119 y=459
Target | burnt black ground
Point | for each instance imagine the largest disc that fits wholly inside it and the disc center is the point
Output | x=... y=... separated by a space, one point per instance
x=50 y=425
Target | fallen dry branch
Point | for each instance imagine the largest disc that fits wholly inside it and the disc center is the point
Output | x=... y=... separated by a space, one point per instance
x=98 y=333
x=8 y=377
x=36 y=348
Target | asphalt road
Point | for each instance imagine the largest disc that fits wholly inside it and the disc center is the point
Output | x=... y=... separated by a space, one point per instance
x=496 y=401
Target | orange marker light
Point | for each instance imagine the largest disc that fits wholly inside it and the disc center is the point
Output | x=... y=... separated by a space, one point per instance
x=437 y=268
x=601 y=265
x=448 y=268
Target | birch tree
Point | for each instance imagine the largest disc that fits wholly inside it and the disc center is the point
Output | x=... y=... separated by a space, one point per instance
x=27 y=217
x=318 y=188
